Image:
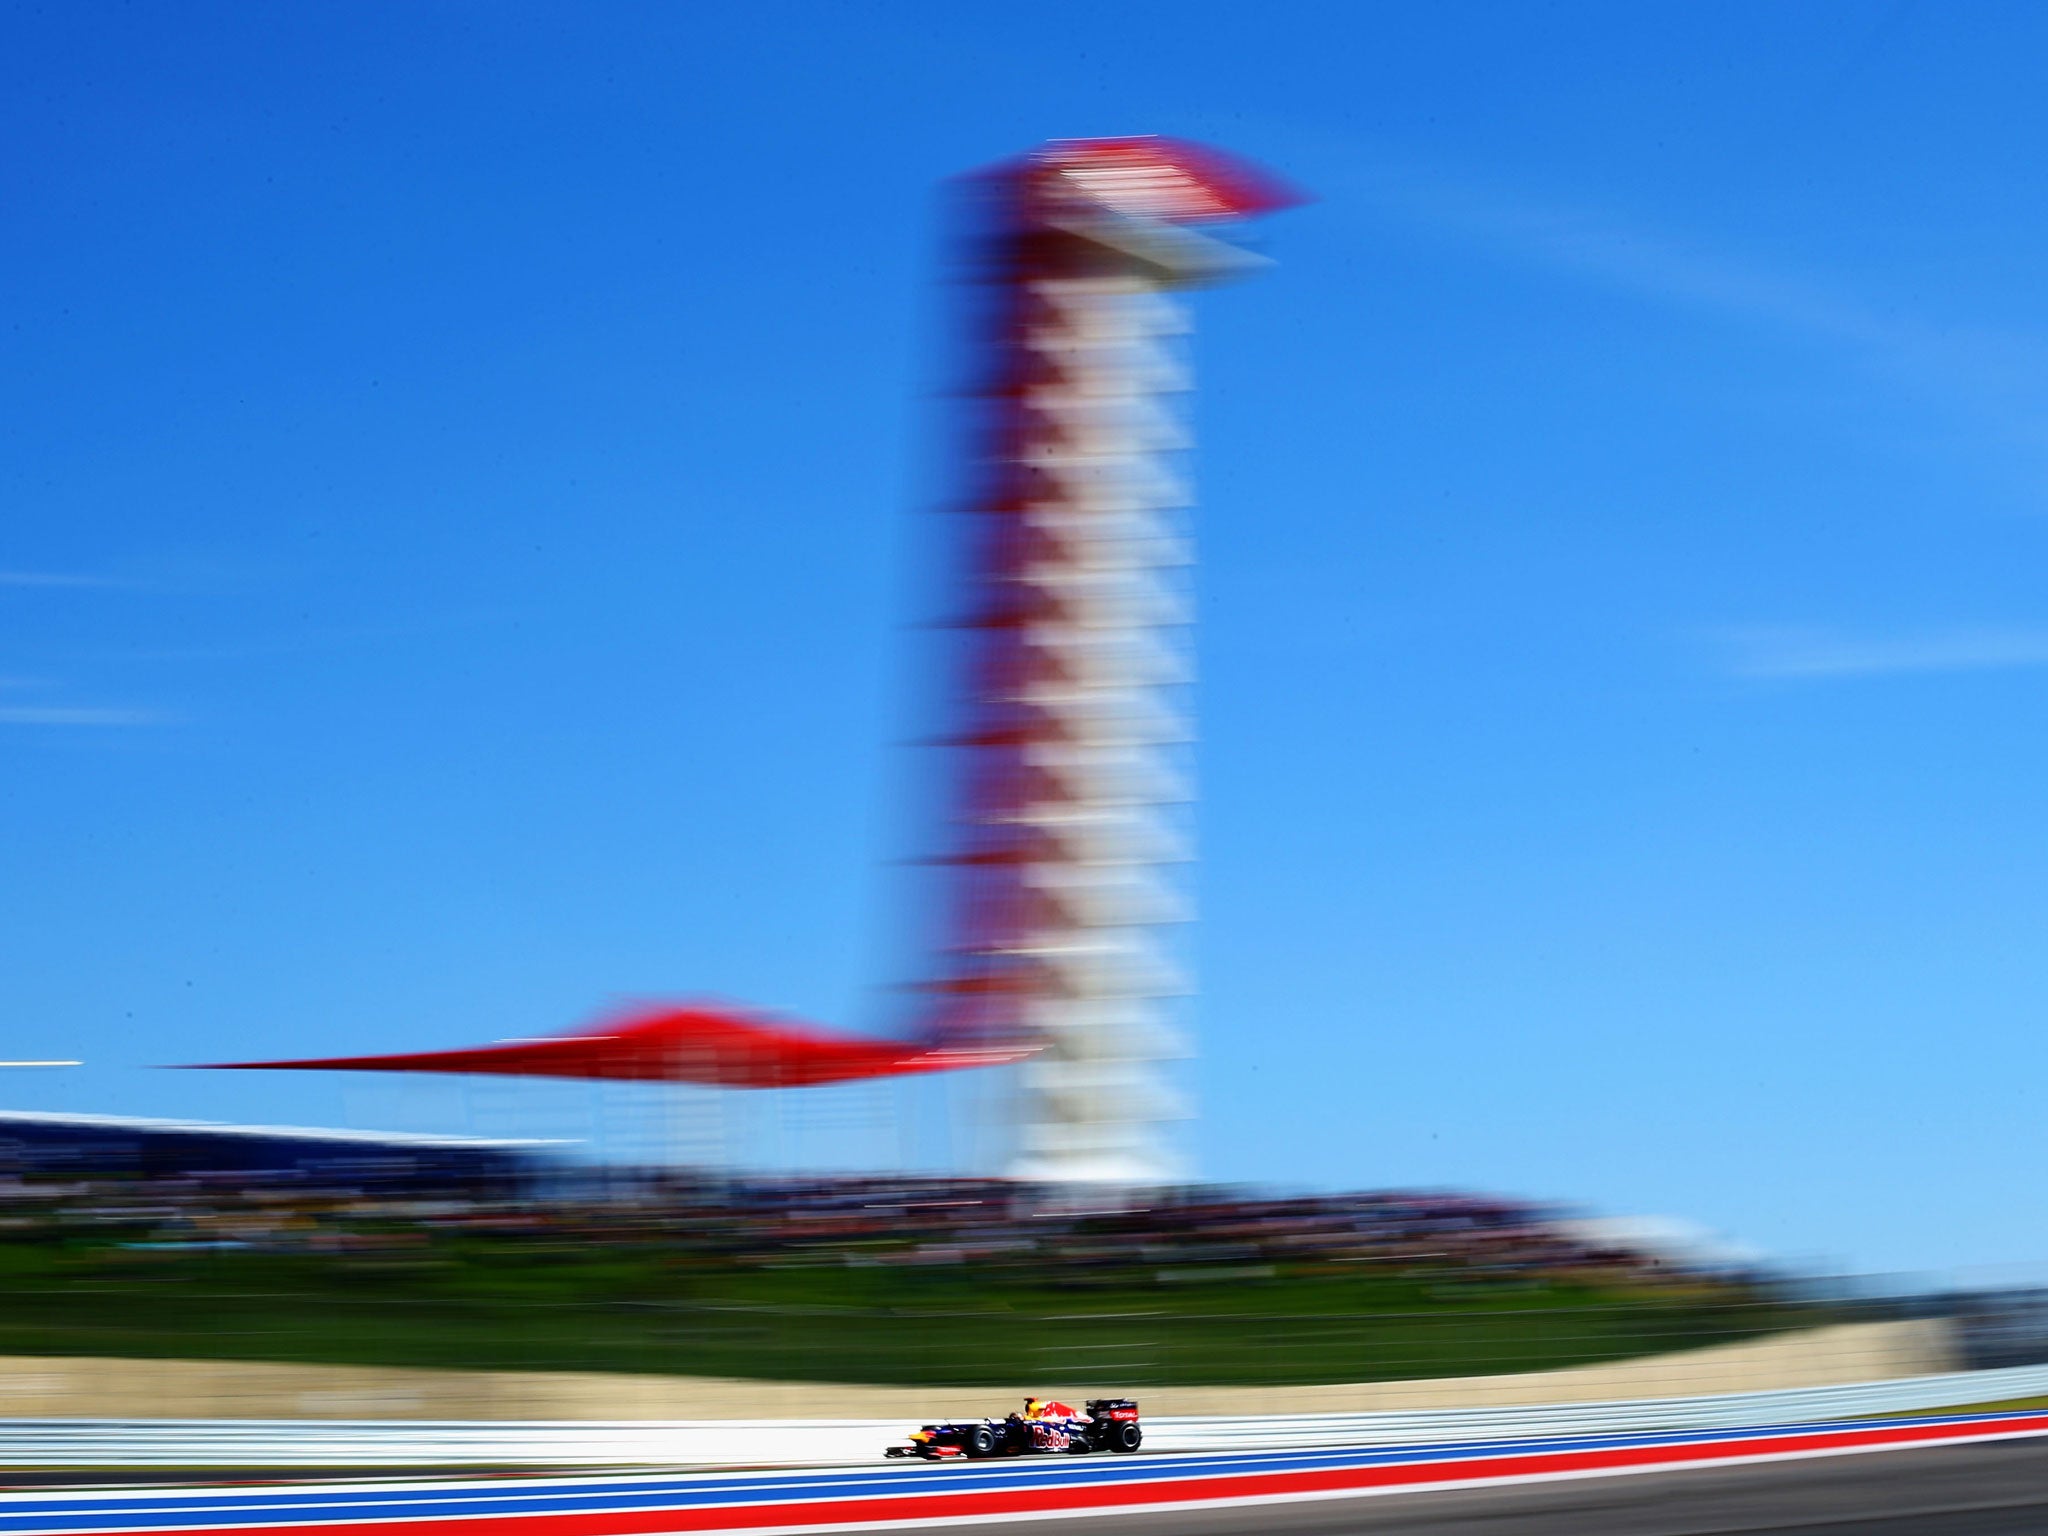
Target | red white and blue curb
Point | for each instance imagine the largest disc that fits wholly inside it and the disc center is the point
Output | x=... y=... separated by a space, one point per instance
x=914 y=1494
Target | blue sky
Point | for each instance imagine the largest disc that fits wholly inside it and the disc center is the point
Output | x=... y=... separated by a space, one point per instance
x=461 y=496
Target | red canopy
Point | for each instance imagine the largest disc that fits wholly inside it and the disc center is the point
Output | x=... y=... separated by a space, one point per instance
x=681 y=1045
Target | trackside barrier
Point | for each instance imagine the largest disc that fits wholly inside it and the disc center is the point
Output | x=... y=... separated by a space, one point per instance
x=28 y=1443
x=1728 y=1410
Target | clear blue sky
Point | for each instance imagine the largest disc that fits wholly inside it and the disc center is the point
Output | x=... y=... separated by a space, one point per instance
x=459 y=485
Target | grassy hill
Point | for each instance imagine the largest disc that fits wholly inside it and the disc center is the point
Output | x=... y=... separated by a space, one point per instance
x=507 y=1304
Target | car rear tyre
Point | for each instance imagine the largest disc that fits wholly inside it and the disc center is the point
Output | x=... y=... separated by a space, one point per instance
x=981 y=1442
x=1126 y=1437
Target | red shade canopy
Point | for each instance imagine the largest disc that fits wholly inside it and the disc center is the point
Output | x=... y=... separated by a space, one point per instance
x=717 y=1046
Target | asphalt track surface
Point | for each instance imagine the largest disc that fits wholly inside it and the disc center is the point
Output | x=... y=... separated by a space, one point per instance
x=1995 y=1489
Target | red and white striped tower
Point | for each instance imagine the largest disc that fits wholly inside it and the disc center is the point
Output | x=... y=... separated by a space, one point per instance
x=1066 y=830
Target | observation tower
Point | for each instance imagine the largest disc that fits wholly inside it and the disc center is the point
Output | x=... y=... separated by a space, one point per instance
x=1066 y=831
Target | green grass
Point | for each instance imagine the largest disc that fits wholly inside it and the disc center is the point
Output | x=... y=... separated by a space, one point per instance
x=511 y=1305
x=2009 y=1405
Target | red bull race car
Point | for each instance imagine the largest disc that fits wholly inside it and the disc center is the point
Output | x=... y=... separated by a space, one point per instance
x=1043 y=1428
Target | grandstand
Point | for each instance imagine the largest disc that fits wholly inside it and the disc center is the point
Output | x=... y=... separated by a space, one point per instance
x=44 y=1146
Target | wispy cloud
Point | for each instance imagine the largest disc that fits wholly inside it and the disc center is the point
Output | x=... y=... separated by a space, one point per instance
x=1994 y=374
x=80 y=715
x=69 y=579
x=59 y=715
x=1623 y=253
x=1794 y=653
x=333 y=638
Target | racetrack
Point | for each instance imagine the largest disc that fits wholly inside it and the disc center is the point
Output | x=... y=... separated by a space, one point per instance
x=1359 y=1488
x=1994 y=1489
x=1999 y=1489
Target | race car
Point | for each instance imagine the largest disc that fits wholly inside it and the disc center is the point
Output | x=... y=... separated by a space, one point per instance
x=1043 y=1428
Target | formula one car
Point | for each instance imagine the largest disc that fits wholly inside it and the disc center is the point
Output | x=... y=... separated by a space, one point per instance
x=1109 y=1424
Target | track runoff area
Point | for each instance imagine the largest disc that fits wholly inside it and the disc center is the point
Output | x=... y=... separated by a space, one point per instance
x=1322 y=1490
